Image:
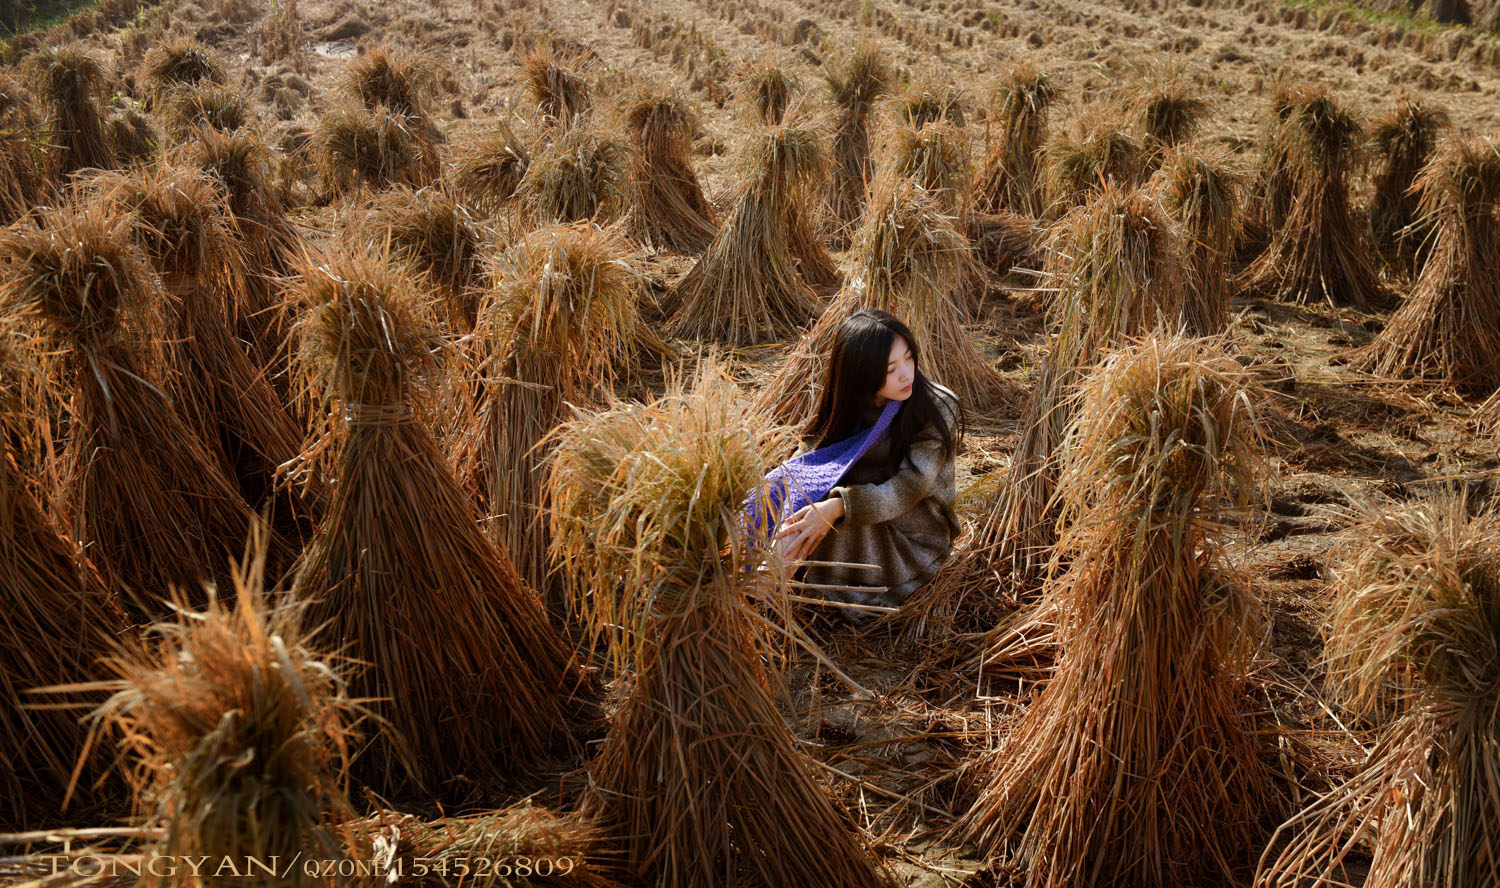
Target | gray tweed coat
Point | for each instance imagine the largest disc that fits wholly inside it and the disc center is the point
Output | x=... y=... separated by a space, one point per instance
x=902 y=522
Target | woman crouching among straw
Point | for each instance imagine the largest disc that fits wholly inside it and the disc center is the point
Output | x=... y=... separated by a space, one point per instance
x=869 y=501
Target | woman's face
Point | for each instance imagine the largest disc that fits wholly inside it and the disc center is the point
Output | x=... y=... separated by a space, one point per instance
x=900 y=374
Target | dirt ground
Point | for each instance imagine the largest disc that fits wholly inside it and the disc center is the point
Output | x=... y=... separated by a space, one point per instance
x=902 y=760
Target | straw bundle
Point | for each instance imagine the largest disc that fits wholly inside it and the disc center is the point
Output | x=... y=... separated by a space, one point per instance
x=1405 y=140
x=699 y=778
x=1202 y=193
x=803 y=210
x=931 y=99
x=1005 y=241
x=72 y=82
x=437 y=239
x=1116 y=269
x=396 y=80
x=1272 y=191
x=560 y=324
x=1166 y=113
x=854 y=83
x=1137 y=765
x=768 y=87
x=358 y=148
x=540 y=849
x=559 y=93
x=471 y=675
x=1450 y=327
x=747 y=288
x=912 y=261
x=179 y=60
x=487 y=170
x=182 y=230
x=669 y=207
x=22 y=159
x=1412 y=637
x=1012 y=176
x=1317 y=252
x=145 y=496
x=1098 y=154
x=237 y=733
x=933 y=157
x=55 y=621
x=188 y=109
x=579 y=177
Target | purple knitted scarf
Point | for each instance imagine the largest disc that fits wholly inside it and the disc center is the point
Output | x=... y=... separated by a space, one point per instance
x=808 y=478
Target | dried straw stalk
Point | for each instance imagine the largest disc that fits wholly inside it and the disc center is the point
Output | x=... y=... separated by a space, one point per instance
x=1012 y=175
x=1405 y=139
x=1137 y=764
x=1202 y=193
x=669 y=208
x=854 y=83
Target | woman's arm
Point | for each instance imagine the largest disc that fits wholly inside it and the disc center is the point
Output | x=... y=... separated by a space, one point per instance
x=874 y=503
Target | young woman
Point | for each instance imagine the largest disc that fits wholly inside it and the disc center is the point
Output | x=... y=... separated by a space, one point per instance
x=892 y=507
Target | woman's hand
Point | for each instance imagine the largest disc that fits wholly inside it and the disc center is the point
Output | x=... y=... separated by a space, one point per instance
x=805 y=529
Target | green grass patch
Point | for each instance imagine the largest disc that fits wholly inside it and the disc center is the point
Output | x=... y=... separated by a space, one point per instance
x=1399 y=17
x=17 y=16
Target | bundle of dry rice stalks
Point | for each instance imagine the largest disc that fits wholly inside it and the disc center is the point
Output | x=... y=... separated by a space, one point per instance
x=804 y=217
x=469 y=672
x=236 y=732
x=146 y=497
x=934 y=157
x=931 y=98
x=854 y=83
x=560 y=93
x=1405 y=140
x=1450 y=327
x=523 y=846
x=767 y=86
x=397 y=80
x=911 y=260
x=1203 y=194
x=1137 y=764
x=488 y=170
x=23 y=153
x=241 y=165
x=1270 y=197
x=747 y=289
x=73 y=85
x=1166 y=112
x=1117 y=274
x=182 y=228
x=1412 y=638
x=437 y=239
x=581 y=176
x=1099 y=153
x=179 y=60
x=185 y=110
x=669 y=209
x=560 y=327
x=1317 y=251
x=359 y=148
x=1012 y=175
x=699 y=778
x=55 y=621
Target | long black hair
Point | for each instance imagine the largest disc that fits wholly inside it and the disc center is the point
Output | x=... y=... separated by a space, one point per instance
x=857 y=371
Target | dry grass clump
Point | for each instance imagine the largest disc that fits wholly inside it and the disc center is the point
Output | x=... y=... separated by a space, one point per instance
x=1203 y=194
x=1317 y=251
x=854 y=82
x=236 y=731
x=558 y=327
x=1271 y=194
x=669 y=209
x=541 y=849
x=182 y=228
x=699 y=776
x=746 y=289
x=559 y=92
x=581 y=176
x=179 y=60
x=1098 y=154
x=73 y=86
x=1412 y=638
x=933 y=157
x=1137 y=765
x=55 y=620
x=1405 y=139
x=187 y=109
x=1166 y=112
x=22 y=162
x=131 y=137
x=358 y=148
x=768 y=86
x=141 y=491
x=1005 y=241
x=928 y=100
x=488 y=170
x=1449 y=329
x=396 y=80
x=400 y=562
x=1012 y=176
x=911 y=260
x=1117 y=270
x=435 y=237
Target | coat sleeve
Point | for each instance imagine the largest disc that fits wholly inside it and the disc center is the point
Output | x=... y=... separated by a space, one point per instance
x=874 y=503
